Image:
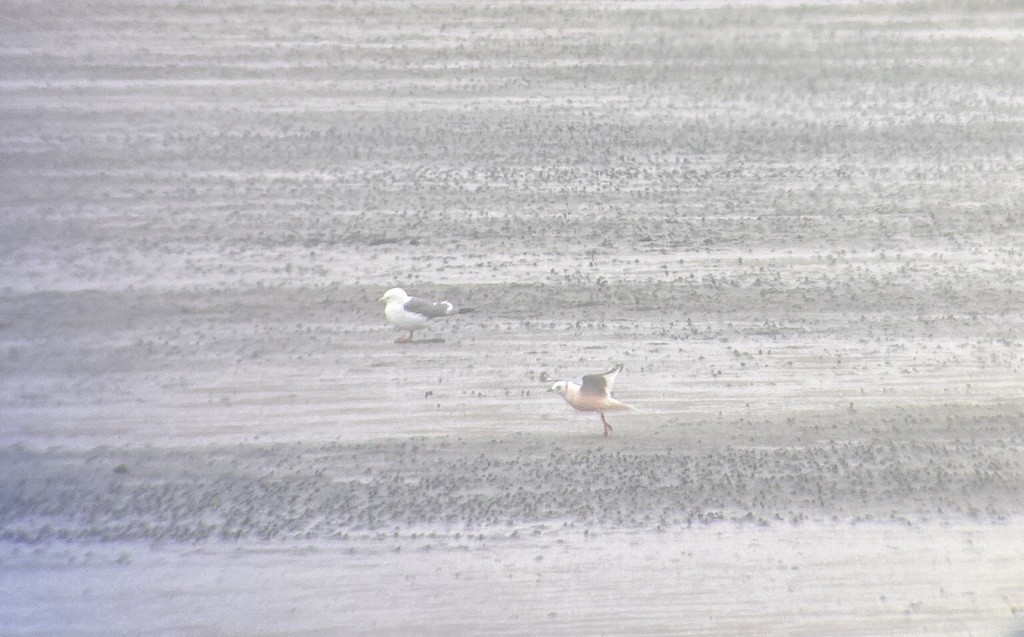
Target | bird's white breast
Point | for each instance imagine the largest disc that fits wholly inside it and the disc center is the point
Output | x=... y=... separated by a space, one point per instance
x=399 y=317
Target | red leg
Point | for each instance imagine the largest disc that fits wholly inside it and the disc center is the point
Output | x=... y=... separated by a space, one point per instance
x=405 y=339
x=607 y=425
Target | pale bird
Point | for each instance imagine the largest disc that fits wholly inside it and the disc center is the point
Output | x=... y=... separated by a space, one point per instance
x=409 y=313
x=593 y=394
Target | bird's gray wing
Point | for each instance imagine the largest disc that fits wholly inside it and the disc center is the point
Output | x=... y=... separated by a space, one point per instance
x=429 y=309
x=600 y=384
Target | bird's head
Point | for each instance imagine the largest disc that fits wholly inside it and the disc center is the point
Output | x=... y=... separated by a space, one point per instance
x=394 y=295
x=561 y=387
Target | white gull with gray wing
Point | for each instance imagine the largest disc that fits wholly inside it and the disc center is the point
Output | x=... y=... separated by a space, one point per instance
x=410 y=313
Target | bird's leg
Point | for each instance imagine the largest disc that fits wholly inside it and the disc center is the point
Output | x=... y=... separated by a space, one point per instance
x=405 y=339
x=607 y=425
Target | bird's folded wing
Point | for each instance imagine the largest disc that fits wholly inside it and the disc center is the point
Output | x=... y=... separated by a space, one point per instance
x=429 y=308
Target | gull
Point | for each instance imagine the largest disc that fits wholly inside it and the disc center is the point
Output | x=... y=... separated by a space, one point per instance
x=409 y=313
x=593 y=394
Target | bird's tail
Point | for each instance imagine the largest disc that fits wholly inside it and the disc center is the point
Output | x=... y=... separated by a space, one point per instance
x=618 y=405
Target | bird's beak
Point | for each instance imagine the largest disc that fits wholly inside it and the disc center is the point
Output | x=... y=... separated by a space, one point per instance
x=381 y=299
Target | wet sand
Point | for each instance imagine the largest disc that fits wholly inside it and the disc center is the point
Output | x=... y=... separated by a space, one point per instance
x=796 y=227
x=715 y=580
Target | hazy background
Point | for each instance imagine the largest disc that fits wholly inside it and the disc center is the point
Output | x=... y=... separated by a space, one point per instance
x=798 y=226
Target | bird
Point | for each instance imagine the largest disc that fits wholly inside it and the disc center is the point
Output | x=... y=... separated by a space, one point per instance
x=593 y=394
x=410 y=313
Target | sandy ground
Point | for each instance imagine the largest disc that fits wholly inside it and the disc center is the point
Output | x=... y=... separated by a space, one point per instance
x=796 y=225
x=720 y=580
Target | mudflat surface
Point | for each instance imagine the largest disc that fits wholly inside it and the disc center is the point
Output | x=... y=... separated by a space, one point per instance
x=796 y=225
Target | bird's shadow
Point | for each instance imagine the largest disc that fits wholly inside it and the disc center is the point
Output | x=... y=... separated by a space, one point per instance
x=422 y=341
